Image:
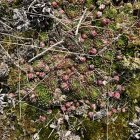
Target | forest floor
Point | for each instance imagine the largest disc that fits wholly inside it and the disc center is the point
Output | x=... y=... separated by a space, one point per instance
x=69 y=70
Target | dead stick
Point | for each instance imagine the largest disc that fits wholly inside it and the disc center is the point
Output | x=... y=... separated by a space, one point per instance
x=80 y=21
x=42 y=53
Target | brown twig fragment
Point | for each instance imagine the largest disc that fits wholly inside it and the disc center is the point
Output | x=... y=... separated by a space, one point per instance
x=42 y=53
x=80 y=21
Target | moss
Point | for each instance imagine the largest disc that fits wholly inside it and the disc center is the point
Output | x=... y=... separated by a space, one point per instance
x=13 y=79
x=111 y=12
x=118 y=129
x=43 y=94
x=82 y=68
x=94 y=130
x=73 y=10
x=122 y=41
x=133 y=89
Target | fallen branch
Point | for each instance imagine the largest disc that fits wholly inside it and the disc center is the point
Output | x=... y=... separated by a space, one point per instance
x=42 y=53
x=80 y=21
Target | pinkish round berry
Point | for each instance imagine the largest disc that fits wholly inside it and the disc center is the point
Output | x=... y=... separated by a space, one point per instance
x=30 y=76
x=63 y=108
x=119 y=57
x=92 y=51
x=99 y=14
x=82 y=59
x=68 y=104
x=73 y=108
x=91 y=67
x=61 y=11
x=42 y=74
x=117 y=95
x=99 y=82
x=93 y=33
x=105 y=21
x=65 y=78
x=84 y=36
x=111 y=94
x=93 y=106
